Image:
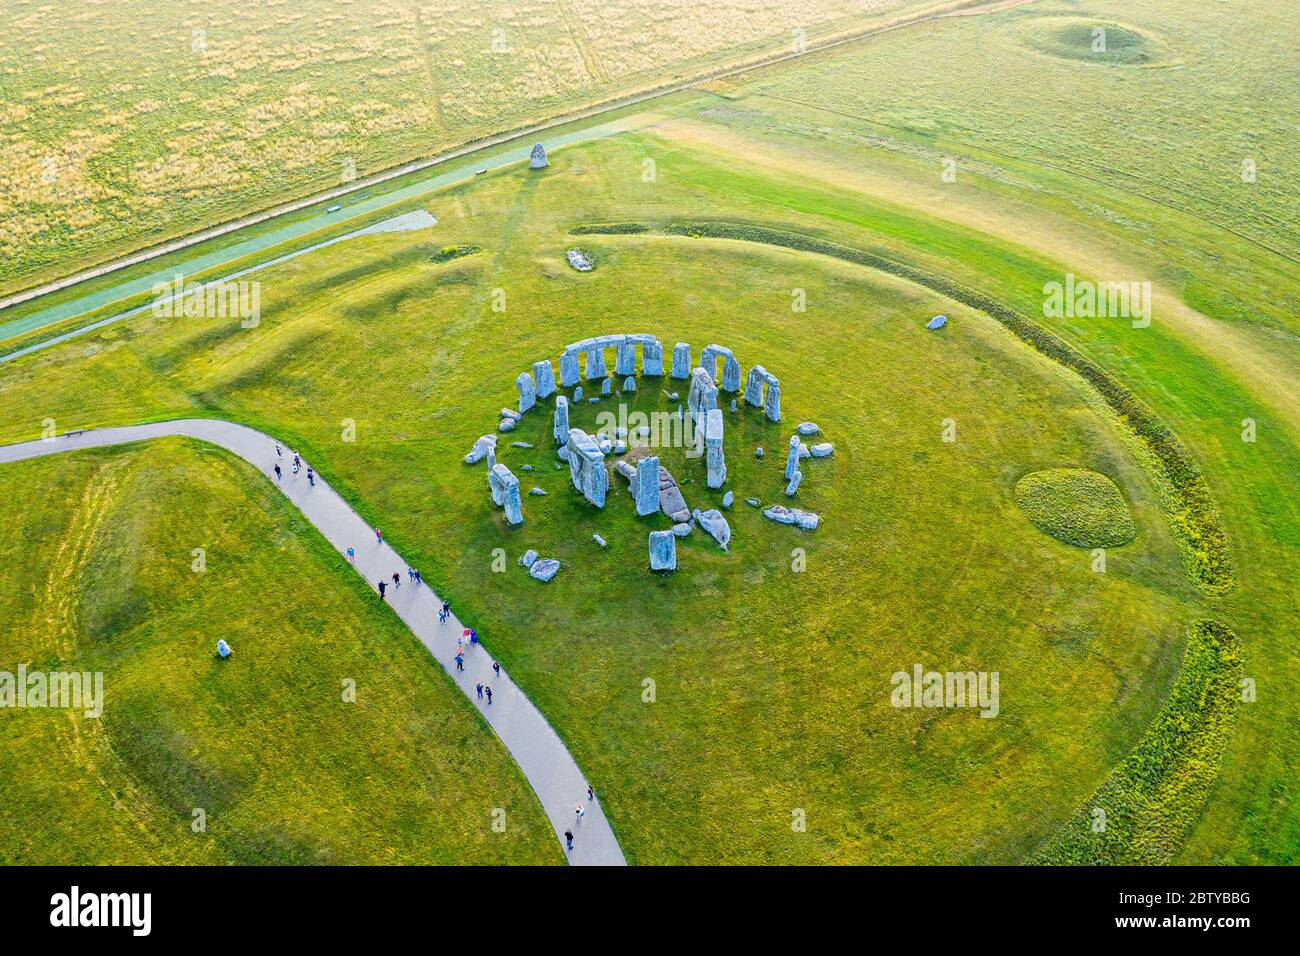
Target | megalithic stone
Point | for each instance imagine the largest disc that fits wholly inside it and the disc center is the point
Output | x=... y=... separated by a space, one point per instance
x=663 y=551
x=595 y=364
x=647 y=486
x=496 y=483
x=527 y=391
x=537 y=158
x=560 y=427
x=652 y=359
x=587 y=467
x=754 y=386
x=792 y=460
x=544 y=373
x=713 y=449
x=772 y=406
x=625 y=359
x=791 y=488
x=731 y=375
x=681 y=360
x=569 y=374
x=513 y=505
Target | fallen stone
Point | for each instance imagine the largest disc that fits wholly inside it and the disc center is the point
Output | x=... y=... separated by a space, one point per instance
x=728 y=498
x=544 y=569
x=536 y=491
x=578 y=260
x=599 y=540
x=715 y=524
x=807 y=428
x=620 y=448
x=791 y=488
x=511 y=414
x=528 y=558
x=803 y=519
x=681 y=529
x=822 y=449
x=521 y=444
x=507 y=425
x=758 y=452
x=752 y=502
x=481 y=448
x=938 y=322
x=525 y=467
x=663 y=551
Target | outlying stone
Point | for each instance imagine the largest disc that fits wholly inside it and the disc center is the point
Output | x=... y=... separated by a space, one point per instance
x=544 y=569
x=663 y=551
x=537 y=159
x=938 y=322
x=599 y=540
x=822 y=449
x=521 y=444
x=728 y=498
x=758 y=452
x=485 y=444
x=715 y=524
x=803 y=519
x=578 y=260
x=537 y=491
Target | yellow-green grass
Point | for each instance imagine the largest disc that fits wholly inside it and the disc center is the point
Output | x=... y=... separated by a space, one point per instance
x=1076 y=506
x=100 y=577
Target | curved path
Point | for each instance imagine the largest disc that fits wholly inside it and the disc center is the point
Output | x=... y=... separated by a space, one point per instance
x=546 y=763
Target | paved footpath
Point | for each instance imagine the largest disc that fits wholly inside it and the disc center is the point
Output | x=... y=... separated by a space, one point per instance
x=546 y=763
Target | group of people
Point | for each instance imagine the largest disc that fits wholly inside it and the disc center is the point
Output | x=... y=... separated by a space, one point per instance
x=297 y=466
x=579 y=813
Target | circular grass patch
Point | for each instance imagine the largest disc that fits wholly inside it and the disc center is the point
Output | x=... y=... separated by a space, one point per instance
x=1096 y=42
x=1076 y=506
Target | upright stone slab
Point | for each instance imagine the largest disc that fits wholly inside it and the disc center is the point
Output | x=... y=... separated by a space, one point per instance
x=629 y=384
x=569 y=373
x=537 y=159
x=652 y=359
x=544 y=373
x=496 y=483
x=595 y=364
x=772 y=406
x=625 y=359
x=587 y=467
x=560 y=426
x=731 y=375
x=681 y=360
x=513 y=505
x=713 y=449
x=754 y=386
x=791 y=488
x=527 y=391
x=792 y=460
x=663 y=551
x=647 y=486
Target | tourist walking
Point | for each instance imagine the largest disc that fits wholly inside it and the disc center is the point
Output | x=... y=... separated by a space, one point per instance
x=591 y=794
x=397 y=580
x=383 y=586
x=410 y=574
x=488 y=690
x=479 y=689
x=460 y=662
x=580 y=812
x=352 y=555
x=311 y=477
x=418 y=579
x=568 y=838
x=278 y=453
x=379 y=536
x=496 y=668
x=277 y=471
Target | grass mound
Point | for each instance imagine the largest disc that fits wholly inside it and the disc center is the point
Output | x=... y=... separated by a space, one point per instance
x=1093 y=41
x=1076 y=506
x=1145 y=809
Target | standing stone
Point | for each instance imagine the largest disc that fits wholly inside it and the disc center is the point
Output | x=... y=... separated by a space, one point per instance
x=663 y=551
x=703 y=396
x=773 y=404
x=791 y=488
x=577 y=394
x=681 y=360
x=587 y=467
x=604 y=387
x=569 y=369
x=731 y=375
x=595 y=364
x=544 y=373
x=625 y=359
x=647 y=486
x=560 y=427
x=792 y=460
x=505 y=491
x=496 y=483
x=713 y=449
x=629 y=384
x=527 y=391
x=652 y=359
x=538 y=160
x=754 y=386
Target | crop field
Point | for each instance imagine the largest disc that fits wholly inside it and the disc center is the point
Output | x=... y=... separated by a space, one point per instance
x=1099 y=506
x=129 y=122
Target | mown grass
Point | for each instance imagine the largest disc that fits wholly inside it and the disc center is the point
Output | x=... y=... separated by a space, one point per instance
x=1143 y=812
x=1078 y=507
x=99 y=576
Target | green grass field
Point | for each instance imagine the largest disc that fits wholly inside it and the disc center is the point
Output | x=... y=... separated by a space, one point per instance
x=771 y=663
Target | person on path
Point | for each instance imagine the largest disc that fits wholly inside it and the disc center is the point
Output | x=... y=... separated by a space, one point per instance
x=418 y=579
x=446 y=609
x=591 y=794
x=352 y=555
x=568 y=838
x=580 y=812
x=379 y=536
x=311 y=477
x=479 y=689
x=278 y=453
x=397 y=580
x=383 y=586
x=277 y=471
x=488 y=690
x=296 y=466
x=496 y=668
x=473 y=636
x=297 y=462
x=460 y=663
x=410 y=574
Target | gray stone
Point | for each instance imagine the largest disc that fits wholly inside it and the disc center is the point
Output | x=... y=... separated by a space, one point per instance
x=681 y=360
x=791 y=488
x=528 y=558
x=647 y=495
x=599 y=540
x=544 y=373
x=717 y=465
x=792 y=460
x=537 y=159
x=507 y=425
x=731 y=375
x=593 y=400
x=752 y=502
x=652 y=358
x=822 y=449
x=569 y=372
x=505 y=492
x=938 y=322
x=663 y=551
x=715 y=524
x=526 y=467
x=481 y=448
x=625 y=359
x=587 y=467
x=803 y=519
x=733 y=406
x=560 y=424
x=772 y=404
x=754 y=386
x=807 y=428
x=620 y=448
x=681 y=529
x=577 y=394
x=804 y=452
x=511 y=414
x=595 y=364
x=758 y=452
x=521 y=444
x=702 y=397
x=527 y=391
x=536 y=491
x=578 y=260
x=544 y=569
x=672 y=397
x=629 y=384
x=605 y=386
x=728 y=498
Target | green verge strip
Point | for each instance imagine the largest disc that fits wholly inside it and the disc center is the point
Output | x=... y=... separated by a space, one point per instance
x=1192 y=510
x=1149 y=804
